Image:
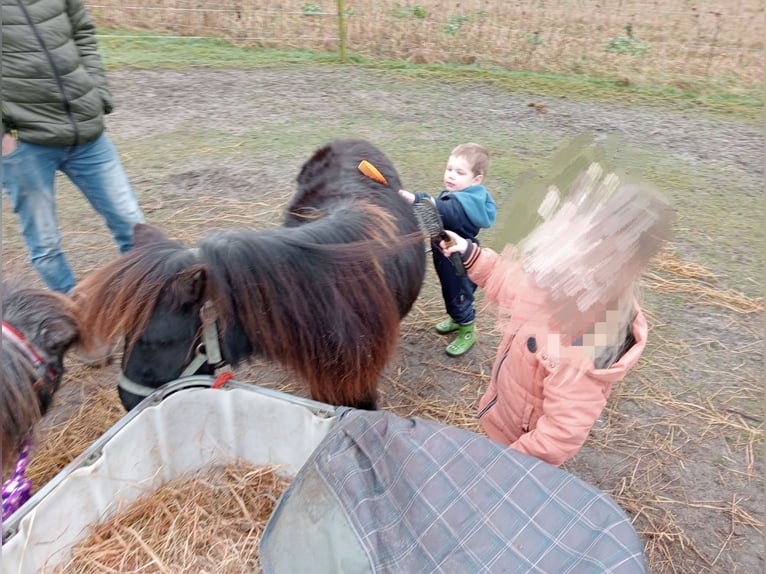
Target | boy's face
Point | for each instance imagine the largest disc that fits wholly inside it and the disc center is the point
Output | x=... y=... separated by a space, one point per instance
x=459 y=174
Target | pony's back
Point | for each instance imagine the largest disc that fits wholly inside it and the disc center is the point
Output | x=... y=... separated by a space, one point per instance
x=332 y=175
x=333 y=172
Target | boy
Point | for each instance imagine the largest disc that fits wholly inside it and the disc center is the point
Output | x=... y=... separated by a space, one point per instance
x=465 y=206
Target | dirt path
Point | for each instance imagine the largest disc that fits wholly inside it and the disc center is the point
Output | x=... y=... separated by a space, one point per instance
x=197 y=144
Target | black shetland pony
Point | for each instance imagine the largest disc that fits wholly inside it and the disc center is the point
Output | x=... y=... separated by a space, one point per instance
x=322 y=295
x=39 y=327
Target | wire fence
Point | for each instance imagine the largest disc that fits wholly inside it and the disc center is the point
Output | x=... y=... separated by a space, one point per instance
x=686 y=44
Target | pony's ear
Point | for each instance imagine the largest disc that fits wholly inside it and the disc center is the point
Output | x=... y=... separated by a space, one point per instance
x=146 y=234
x=190 y=287
x=58 y=334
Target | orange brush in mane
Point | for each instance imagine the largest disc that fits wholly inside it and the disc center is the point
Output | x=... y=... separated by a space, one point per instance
x=372 y=172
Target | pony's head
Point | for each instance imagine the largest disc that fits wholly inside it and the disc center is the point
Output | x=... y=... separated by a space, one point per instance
x=39 y=327
x=150 y=298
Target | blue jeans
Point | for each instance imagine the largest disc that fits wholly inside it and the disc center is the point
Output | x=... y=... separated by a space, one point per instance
x=94 y=167
x=458 y=292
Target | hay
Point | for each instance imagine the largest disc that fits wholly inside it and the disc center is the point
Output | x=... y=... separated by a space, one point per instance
x=210 y=521
x=693 y=280
x=705 y=295
x=57 y=445
x=668 y=261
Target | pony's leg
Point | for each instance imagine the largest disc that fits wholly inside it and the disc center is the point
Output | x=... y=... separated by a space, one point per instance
x=370 y=404
x=360 y=394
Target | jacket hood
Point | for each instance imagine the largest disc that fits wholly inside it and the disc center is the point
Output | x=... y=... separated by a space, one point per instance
x=478 y=205
x=617 y=371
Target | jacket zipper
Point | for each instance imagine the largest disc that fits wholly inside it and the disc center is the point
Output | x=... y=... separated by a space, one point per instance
x=491 y=403
x=488 y=406
x=67 y=105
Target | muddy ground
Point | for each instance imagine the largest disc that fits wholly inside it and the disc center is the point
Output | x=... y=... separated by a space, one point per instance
x=680 y=444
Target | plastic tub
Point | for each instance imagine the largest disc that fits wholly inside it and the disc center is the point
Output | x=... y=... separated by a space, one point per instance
x=182 y=428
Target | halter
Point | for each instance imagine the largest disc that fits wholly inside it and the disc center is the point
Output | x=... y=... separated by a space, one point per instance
x=209 y=351
x=43 y=373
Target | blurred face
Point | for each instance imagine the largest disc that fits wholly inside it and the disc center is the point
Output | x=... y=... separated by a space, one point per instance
x=459 y=175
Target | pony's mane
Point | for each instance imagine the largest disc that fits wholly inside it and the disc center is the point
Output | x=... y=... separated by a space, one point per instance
x=119 y=298
x=308 y=296
x=20 y=408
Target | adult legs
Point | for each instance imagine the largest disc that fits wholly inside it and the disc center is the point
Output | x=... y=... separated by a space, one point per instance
x=28 y=177
x=95 y=168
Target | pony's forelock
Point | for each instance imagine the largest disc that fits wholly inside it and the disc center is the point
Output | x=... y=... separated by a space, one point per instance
x=120 y=297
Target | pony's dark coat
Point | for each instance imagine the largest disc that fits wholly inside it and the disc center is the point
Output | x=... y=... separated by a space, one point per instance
x=47 y=320
x=322 y=295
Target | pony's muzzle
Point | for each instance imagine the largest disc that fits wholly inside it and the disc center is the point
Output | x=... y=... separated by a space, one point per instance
x=98 y=356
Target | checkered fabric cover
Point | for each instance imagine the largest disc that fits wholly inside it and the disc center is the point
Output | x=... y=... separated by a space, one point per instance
x=383 y=493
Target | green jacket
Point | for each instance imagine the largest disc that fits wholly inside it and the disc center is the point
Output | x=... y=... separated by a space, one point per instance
x=54 y=89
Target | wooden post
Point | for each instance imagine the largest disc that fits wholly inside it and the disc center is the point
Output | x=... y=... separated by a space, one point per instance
x=342 y=31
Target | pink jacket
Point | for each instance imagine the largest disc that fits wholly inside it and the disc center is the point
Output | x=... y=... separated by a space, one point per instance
x=537 y=403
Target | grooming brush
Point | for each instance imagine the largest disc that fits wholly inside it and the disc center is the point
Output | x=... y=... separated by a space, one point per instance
x=372 y=172
x=430 y=222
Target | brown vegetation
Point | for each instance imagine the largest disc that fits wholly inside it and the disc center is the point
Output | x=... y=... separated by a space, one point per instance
x=646 y=42
x=210 y=521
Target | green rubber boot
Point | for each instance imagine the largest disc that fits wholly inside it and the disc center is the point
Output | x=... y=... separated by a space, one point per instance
x=446 y=326
x=465 y=339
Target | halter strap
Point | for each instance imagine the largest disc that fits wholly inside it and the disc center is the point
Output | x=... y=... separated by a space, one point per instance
x=210 y=335
x=30 y=353
x=211 y=354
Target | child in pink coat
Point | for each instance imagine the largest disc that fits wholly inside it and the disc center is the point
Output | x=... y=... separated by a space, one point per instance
x=572 y=325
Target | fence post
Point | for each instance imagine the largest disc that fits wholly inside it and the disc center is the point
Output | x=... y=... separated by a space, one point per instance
x=342 y=30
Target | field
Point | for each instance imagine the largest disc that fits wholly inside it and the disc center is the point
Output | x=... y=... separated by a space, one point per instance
x=689 y=46
x=212 y=137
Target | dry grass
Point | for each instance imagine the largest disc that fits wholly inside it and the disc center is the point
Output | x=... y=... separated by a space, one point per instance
x=692 y=278
x=58 y=443
x=682 y=45
x=653 y=449
x=211 y=521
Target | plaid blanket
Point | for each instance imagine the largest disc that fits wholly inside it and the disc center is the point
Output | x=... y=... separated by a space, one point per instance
x=383 y=493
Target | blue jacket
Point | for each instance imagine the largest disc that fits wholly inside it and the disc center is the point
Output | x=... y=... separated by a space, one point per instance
x=465 y=212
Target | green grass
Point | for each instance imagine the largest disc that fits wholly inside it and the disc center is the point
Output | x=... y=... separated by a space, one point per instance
x=700 y=194
x=748 y=106
x=143 y=50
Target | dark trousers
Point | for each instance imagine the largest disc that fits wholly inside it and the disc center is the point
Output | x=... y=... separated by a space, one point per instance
x=457 y=292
